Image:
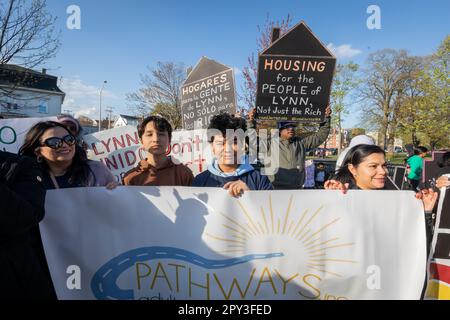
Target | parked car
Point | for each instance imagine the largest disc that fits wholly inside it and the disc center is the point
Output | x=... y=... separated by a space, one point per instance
x=398 y=149
x=322 y=152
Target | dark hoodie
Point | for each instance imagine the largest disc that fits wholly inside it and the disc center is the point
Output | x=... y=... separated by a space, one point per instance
x=214 y=177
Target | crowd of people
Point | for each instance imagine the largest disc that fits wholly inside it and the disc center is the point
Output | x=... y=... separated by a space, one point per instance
x=53 y=156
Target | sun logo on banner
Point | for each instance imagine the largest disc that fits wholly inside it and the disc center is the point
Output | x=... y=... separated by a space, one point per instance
x=240 y=255
x=245 y=232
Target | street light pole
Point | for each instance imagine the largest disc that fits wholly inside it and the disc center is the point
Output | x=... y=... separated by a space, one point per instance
x=100 y=118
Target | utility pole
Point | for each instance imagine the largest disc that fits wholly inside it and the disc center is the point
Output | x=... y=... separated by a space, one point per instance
x=109 y=110
x=100 y=117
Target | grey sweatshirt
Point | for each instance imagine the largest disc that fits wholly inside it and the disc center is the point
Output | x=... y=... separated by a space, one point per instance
x=291 y=171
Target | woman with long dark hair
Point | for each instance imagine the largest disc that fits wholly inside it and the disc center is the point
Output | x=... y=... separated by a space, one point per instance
x=364 y=168
x=64 y=163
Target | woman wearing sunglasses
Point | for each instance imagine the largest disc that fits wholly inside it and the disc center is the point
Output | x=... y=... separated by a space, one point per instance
x=63 y=162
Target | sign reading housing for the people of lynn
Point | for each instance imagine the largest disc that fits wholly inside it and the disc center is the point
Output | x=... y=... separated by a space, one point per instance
x=294 y=77
x=208 y=90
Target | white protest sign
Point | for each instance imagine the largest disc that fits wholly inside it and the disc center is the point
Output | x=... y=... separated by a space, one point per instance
x=200 y=243
x=13 y=132
x=191 y=148
x=120 y=149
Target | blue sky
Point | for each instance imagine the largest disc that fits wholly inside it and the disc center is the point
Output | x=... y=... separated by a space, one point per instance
x=119 y=39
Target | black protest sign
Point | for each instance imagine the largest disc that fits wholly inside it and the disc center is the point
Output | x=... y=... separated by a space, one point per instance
x=440 y=255
x=208 y=90
x=398 y=178
x=439 y=259
x=294 y=78
x=444 y=221
x=442 y=248
x=431 y=167
x=432 y=170
x=444 y=210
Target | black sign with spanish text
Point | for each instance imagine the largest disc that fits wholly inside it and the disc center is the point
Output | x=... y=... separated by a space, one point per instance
x=208 y=90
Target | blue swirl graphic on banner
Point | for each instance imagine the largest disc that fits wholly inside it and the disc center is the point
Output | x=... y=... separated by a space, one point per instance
x=103 y=283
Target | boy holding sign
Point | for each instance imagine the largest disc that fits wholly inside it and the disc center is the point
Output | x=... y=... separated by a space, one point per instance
x=230 y=168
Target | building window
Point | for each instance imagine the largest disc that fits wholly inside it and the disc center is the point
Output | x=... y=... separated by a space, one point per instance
x=43 y=107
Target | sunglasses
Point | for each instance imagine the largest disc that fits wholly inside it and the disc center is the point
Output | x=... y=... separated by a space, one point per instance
x=57 y=143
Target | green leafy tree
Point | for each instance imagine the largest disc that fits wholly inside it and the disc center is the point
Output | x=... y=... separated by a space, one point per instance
x=344 y=82
x=357 y=132
x=410 y=112
x=434 y=120
x=382 y=90
x=425 y=112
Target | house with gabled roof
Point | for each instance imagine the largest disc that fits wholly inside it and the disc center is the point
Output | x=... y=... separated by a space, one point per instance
x=28 y=93
x=125 y=120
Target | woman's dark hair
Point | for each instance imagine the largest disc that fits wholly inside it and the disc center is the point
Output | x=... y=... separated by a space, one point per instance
x=225 y=121
x=160 y=123
x=355 y=156
x=445 y=162
x=419 y=150
x=79 y=171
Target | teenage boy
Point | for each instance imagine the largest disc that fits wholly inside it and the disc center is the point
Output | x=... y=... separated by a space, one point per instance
x=158 y=169
x=230 y=168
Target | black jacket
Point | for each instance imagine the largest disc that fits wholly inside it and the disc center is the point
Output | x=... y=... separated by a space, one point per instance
x=22 y=198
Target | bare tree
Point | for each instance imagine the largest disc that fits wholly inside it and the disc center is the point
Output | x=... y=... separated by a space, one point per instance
x=27 y=39
x=168 y=112
x=160 y=92
x=250 y=72
x=27 y=34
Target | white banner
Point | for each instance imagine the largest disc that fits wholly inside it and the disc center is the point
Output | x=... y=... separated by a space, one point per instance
x=13 y=132
x=120 y=149
x=200 y=243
